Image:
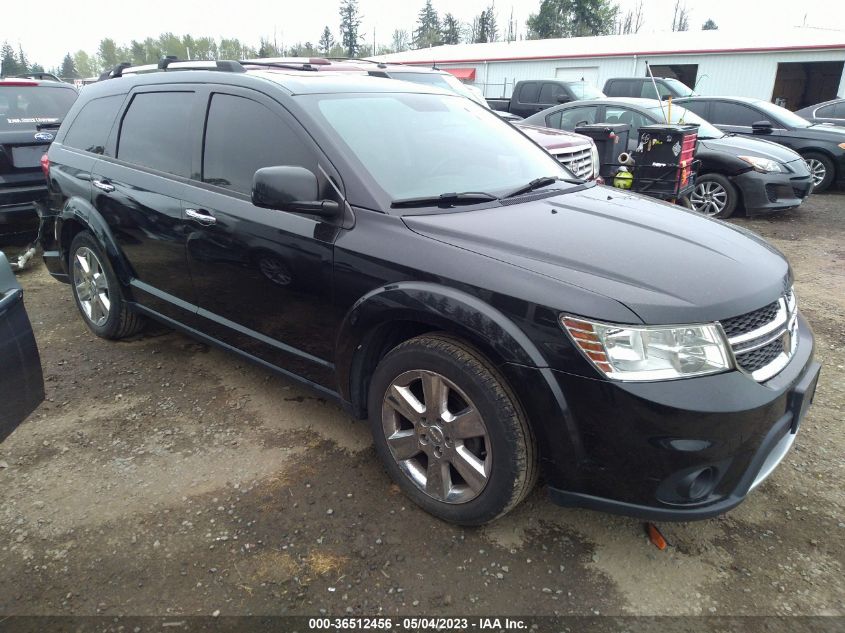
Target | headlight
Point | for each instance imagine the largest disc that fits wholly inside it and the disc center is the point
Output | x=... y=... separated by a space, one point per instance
x=651 y=353
x=763 y=165
x=594 y=153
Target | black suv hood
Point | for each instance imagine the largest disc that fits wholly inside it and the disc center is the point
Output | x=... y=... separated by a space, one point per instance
x=666 y=264
x=745 y=146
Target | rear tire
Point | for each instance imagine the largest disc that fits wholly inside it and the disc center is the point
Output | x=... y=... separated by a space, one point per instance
x=450 y=431
x=714 y=196
x=97 y=292
x=822 y=170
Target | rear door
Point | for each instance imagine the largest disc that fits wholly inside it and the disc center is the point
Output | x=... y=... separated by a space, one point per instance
x=140 y=194
x=21 y=381
x=527 y=99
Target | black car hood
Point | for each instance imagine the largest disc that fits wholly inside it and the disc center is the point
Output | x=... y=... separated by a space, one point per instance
x=745 y=146
x=666 y=264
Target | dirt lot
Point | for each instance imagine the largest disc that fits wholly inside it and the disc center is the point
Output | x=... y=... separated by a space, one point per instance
x=164 y=477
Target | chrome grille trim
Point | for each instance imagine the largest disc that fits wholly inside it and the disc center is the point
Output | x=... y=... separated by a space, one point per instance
x=783 y=327
x=578 y=160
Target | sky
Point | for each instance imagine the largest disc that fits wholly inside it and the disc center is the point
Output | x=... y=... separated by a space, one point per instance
x=60 y=26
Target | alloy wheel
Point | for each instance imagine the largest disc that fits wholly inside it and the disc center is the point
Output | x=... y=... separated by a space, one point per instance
x=817 y=170
x=437 y=436
x=709 y=198
x=91 y=286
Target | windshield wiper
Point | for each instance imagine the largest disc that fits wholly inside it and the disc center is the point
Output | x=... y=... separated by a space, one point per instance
x=464 y=197
x=542 y=181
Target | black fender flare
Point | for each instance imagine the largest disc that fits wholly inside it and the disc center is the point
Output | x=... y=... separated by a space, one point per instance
x=440 y=307
x=79 y=210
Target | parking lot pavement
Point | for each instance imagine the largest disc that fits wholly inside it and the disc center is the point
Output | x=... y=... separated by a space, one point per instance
x=164 y=477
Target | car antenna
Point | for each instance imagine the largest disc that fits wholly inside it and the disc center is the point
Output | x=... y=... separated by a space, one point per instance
x=657 y=94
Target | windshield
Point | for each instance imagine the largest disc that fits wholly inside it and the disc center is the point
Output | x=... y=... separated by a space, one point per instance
x=444 y=82
x=24 y=106
x=682 y=115
x=421 y=145
x=679 y=87
x=782 y=115
x=585 y=90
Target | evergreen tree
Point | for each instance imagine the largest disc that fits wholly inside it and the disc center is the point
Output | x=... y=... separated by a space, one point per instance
x=451 y=30
x=68 y=70
x=23 y=62
x=484 y=27
x=427 y=32
x=326 y=41
x=572 y=18
x=710 y=25
x=9 y=61
x=350 y=24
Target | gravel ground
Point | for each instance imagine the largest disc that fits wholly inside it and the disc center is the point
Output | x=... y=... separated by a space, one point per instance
x=162 y=477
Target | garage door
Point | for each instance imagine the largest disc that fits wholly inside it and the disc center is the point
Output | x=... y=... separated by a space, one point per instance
x=590 y=74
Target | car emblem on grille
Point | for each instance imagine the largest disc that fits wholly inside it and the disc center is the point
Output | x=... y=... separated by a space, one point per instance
x=43 y=136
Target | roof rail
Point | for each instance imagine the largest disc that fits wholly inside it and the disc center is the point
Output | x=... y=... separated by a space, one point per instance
x=171 y=63
x=40 y=76
x=292 y=63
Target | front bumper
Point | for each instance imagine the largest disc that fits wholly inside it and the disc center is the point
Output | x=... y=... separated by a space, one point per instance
x=763 y=193
x=640 y=449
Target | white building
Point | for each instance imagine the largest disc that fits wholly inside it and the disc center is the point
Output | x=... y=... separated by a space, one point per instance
x=800 y=65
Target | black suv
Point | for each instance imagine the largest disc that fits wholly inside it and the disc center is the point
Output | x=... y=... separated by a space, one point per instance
x=822 y=146
x=30 y=114
x=411 y=255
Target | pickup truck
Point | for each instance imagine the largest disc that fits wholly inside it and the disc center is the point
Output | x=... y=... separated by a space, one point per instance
x=532 y=96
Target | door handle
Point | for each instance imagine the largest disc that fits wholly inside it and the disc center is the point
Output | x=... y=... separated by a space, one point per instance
x=202 y=216
x=103 y=185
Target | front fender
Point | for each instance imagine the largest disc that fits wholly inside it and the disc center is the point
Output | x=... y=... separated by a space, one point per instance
x=78 y=211
x=440 y=307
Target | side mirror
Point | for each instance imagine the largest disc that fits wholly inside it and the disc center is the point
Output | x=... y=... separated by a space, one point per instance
x=563 y=99
x=290 y=188
x=666 y=97
x=762 y=127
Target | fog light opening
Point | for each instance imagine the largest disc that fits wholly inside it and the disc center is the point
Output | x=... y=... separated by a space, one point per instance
x=698 y=485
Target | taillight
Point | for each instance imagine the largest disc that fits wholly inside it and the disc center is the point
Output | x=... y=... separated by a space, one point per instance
x=45 y=165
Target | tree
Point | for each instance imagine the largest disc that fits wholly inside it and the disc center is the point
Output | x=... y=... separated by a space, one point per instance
x=451 y=30
x=680 y=20
x=572 y=18
x=511 y=33
x=84 y=65
x=8 y=61
x=710 y=25
x=401 y=40
x=23 y=63
x=427 y=32
x=107 y=54
x=633 y=20
x=484 y=27
x=266 y=49
x=68 y=70
x=326 y=41
x=350 y=25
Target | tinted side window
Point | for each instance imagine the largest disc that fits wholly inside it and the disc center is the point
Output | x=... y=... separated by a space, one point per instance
x=571 y=118
x=156 y=132
x=733 y=114
x=623 y=88
x=826 y=111
x=550 y=92
x=647 y=90
x=699 y=107
x=626 y=116
x=832 y=111
x=90 y=129
x=529 y=92
x=243 y=136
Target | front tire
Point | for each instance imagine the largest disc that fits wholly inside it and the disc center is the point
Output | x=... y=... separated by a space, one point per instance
x=97 y=292
x=449 y=430
x=822 y=170
x=714 y=196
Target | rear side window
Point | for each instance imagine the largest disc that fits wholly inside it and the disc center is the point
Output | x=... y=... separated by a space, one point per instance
x=574 y=117
x=699 y=107
x=529 y=92
x=90 y=129
x=647 y=90
x=726 y=113
x=832 y=111
x=623 y=88
x=156 y=132
x=24 y=106
x=241 y=137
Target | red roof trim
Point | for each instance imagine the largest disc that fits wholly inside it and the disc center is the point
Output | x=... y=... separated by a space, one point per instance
x=629 y=54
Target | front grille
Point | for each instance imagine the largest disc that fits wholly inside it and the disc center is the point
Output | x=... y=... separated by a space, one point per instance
x=760 y=357
x=578 y=161
x=750 y=321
